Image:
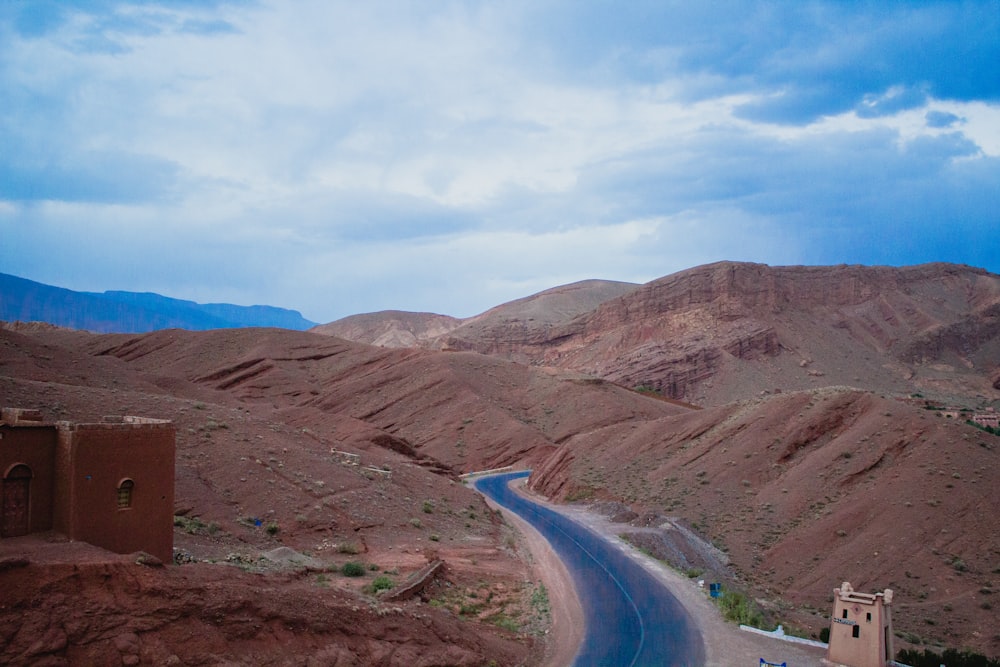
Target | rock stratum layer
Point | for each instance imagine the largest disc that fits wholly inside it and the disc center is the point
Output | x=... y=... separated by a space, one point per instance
x=726 y=331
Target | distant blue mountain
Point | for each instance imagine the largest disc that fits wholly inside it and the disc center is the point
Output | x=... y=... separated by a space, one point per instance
x=131 y=312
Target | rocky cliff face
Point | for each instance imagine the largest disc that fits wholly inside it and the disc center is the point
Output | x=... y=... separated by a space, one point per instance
x=731 y=330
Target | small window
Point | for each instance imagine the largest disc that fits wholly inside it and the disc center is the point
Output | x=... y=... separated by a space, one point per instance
x=845 y=614
x=125 y=494
x=868 y=617
x=856 y=631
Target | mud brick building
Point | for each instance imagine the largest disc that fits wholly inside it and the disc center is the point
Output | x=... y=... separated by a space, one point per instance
x=110 y=483
x=860 y=628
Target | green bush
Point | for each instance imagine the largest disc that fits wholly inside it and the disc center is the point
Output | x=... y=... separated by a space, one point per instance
x=950 y=657
x=352 y=569
x=738 y=608
x=380 y=583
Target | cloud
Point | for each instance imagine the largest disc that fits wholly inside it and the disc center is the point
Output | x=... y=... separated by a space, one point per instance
x=942 y=119
x=346 y=157
x=804 y=60
x=110 y=177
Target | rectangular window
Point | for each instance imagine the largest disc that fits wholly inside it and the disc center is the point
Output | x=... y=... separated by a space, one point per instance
x=845 y=613
x=856 y=631
x=868 y=617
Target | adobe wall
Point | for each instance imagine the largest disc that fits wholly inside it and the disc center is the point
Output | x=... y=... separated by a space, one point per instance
x=33 y=445
x=92 y=462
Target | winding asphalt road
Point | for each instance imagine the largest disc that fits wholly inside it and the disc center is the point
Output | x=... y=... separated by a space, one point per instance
x=631 y=619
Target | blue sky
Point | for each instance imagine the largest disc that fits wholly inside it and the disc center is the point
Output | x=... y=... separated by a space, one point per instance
x=347 y=157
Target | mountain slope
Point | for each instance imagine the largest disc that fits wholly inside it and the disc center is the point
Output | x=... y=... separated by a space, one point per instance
x=530 y=316
x=728 y=331
x=129 y=312
x=807 y=488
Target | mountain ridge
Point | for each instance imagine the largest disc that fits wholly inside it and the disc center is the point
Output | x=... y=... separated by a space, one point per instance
x=116 y=311
x=730 y=330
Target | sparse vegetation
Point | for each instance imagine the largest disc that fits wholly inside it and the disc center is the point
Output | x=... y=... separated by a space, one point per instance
x=950 y=657
x=540 y=601
x=987 y=429
x=350 y=548
x=502 y=620
x=580 y=493
x=739 y=608
x=195 y=526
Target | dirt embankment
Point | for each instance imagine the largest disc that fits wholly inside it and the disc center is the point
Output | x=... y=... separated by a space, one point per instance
x=84 y=607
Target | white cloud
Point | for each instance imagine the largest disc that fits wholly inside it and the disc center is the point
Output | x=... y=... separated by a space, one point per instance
x=343 y=157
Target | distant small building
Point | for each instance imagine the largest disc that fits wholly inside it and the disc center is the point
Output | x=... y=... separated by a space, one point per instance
x=110 y=483
x=990 y=419
x=860 y=629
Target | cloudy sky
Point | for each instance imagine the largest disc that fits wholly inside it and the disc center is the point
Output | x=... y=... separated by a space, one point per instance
x=346 y=157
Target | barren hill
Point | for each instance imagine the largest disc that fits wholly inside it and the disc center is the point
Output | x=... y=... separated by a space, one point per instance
x=535 y=313
x=808 y=488
x=390 y=328
x=728 y=331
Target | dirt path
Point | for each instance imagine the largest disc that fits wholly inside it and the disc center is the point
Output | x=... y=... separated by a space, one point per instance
x=725 y=644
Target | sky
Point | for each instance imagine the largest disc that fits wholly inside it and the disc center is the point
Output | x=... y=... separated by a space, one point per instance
x=348 y=157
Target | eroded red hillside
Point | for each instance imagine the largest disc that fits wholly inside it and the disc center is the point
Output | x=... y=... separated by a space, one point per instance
x=805 y=488
x=727 y=331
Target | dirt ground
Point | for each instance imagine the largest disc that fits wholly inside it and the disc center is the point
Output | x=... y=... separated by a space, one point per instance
x=725 y=644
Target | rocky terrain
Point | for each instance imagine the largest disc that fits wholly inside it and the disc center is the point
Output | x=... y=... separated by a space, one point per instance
x=500 y=329
x=728 y=331
x=270 y=426
x=813 y=461
x=804 y=488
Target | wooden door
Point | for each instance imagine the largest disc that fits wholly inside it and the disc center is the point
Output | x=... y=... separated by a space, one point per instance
x=16 y=502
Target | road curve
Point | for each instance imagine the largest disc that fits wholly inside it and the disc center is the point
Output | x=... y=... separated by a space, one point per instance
x=632 y=620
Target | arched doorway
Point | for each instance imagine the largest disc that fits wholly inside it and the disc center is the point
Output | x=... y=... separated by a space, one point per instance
x=16 y=502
